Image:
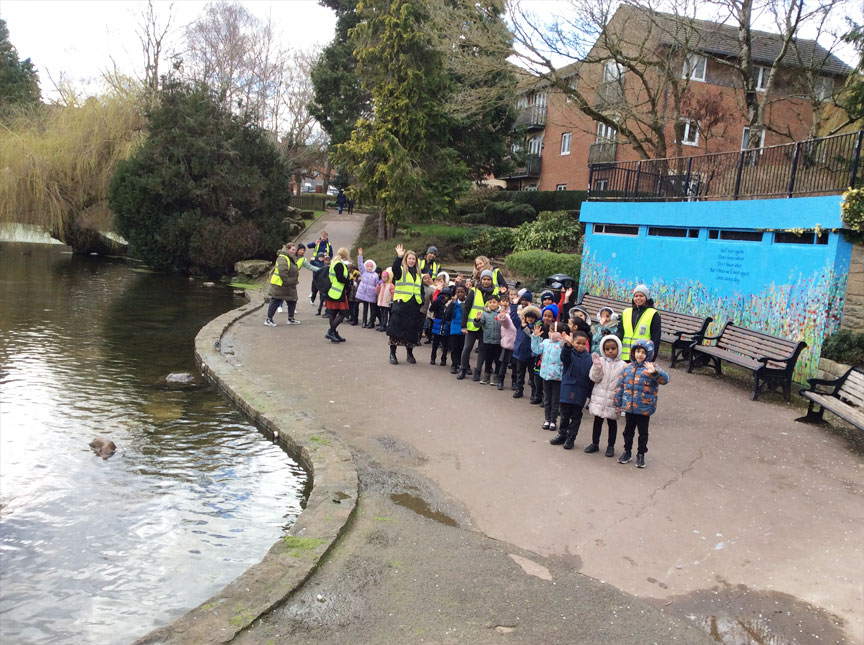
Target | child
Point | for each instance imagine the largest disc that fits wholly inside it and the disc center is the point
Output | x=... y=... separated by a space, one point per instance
x=353 y=304
x=322 y=283
x=318 y=262
x=440 y=330
x=551 y=367
x=366 y=293
x=385 y=290
x=605 y=372
x=527 y=318
x=441 y=281
x=453 y=318
x=636 y=396
x=508 y=339
x=579 y=319
x=576 y=387
x=490 y=348
x=607 y=323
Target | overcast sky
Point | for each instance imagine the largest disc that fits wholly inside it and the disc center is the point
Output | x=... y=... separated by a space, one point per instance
x=79 y=38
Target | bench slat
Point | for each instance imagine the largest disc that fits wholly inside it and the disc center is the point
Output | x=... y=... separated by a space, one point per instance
x=855 y=378
x=755 y=346
x=758 y=338
x=851 y=413
x=852 y=391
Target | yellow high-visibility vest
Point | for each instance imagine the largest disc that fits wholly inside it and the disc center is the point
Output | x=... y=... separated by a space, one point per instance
x=477 y=305
x=436 y=267
x=276 y=278
x=640 y=331
x=408 y=287
x=336 y=287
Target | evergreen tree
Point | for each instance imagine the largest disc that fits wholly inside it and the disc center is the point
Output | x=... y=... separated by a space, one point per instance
x=19 y=82
x=206 y=189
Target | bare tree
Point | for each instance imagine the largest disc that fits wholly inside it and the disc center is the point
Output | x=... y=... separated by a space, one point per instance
x=152 y=32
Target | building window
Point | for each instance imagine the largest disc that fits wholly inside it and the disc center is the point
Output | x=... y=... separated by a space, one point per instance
x=761 y=77
x=540 y=100
x=615 y=229
x=664 y=231
x=823 y=87
x=745 y=137
x=737 y=236
x=690 y=132
x=809 y=237
x=605 y=134
x=561 y=187
x=535 y=146
x=612 y=71
x=694 y=67
x=572 y=85
x=565 y=143
x=530 y=187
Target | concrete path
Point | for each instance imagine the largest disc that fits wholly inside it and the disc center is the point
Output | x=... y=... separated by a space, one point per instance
x=746 y=523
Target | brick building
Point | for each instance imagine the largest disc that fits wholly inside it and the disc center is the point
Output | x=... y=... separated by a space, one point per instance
x=691 y=92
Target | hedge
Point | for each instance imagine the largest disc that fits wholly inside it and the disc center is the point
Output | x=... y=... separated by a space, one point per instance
x=844 y=347
x=473 y=204
x=536 y=265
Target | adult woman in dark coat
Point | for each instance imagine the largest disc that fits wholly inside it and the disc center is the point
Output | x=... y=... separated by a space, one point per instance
x=405 y=315
x=337 y=296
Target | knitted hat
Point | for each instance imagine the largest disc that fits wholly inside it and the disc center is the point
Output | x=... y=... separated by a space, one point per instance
x=547 y=294
x=524 y=294
x=432 y=249
x=486 y=274
x=552 y=308
x=641 y=288
x=446 y=291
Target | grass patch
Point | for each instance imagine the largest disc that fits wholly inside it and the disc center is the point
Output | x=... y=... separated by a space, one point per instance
x=299 y=547
x=244 y=285
x=447 y=237
x=321 y=441
x=242 y=617
x=381 y=518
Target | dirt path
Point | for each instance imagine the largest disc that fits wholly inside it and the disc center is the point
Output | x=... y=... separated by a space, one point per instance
x=744 y=521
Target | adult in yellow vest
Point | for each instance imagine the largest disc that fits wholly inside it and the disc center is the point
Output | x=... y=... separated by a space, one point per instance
x=321 y=245
x=283 y=284
x=430 y=265
x=481 y=264
x=336 y=301
x=641 y=321
x=474 y=304
x=405 y=316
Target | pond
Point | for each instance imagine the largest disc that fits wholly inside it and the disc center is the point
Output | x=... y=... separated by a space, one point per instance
x=100 y=550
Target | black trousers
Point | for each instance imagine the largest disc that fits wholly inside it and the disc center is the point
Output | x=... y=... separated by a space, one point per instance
x=274 y=305
x=488 y=355
x=519 y=372
x=470 y=338
x=551 y=396
x=612 y=424
x=367 y=307
x=384 y=316
x=456 y=344
x=631 y=424
x=439 y=341
x=571 y=417
x=504 y=360
x=536 y=383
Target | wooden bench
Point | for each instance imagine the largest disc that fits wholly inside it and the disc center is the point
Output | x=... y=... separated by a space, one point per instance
x=678 y=329
x=843 y=396
x=771 y=359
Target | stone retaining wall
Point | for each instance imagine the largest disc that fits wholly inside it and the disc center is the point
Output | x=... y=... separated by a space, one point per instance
x=853 y=309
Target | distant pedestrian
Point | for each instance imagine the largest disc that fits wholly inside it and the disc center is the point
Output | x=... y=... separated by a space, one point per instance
x=350 y=205
x=341 y=200
x=636 y=397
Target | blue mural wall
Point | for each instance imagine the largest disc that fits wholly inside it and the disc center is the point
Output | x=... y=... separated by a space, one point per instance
x=779 y=265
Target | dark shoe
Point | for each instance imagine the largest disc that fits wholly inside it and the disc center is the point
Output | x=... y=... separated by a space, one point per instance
x=571 y=439
x=410 y=360
x=484 y=380
x=393 y=359
x=591 y=448
x=546 y=425
x=354 y=323
x=501 y=385
x=640 y=460
x=476 y=376
x=338 y=336
x=454 y=368
x=513 y=386
x=428 y=341
x=443 y=362
x=432 y=361
x=329 y=336
x=553 y=428
x=625 y=457
x=495 y=380
x=558 y=439
x=382 y=329
x=518 y=394
x=461 y=374
x=610 y=451
x=536 y=401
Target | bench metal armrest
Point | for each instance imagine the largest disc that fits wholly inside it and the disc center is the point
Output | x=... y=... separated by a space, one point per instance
x=833 y=385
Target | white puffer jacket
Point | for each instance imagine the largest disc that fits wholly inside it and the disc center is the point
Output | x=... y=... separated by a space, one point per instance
x=605 y=377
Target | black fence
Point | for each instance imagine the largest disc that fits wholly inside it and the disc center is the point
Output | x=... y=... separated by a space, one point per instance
x=827 y=165
x=310 y=201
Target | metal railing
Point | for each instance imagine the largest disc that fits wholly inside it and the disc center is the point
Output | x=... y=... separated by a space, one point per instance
x=813 y=167
x=532 y=168
x=532 y=117
x=603 y=152
x=310 y=201
x=609 y=94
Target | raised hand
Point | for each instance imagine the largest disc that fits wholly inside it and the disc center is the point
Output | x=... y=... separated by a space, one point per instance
x=567 y=337
x=538 y=330
x=649 y=368
x=568 y=293
x=400 y=250
x=595 y=359
x=360 y=250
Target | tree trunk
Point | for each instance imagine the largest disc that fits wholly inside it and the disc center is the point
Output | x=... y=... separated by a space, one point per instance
x=382 y=225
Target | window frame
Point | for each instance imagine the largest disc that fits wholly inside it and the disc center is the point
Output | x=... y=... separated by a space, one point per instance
x=568 y=137
x=688 y=126
x=613 y=71
x=538 y=139
x=561 y=187
x=745 y=132
x=600 y=138
x=762 y=77
x=689 y=70
x=600 y=229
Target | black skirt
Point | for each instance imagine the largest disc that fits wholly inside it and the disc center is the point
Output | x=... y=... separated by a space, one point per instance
x=405 y=321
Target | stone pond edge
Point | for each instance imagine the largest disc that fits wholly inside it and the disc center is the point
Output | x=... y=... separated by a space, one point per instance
x=332 y=500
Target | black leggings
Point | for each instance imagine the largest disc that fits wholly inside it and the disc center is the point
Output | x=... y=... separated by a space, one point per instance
x=442 y=342
x=631 y=424
x=571 y=417
x=457 y=343
x=506 y=355
x=551 y=396
x=336 y=318
x=274 y=305
x=612 y=424
x=488 y=355
x=367 y=306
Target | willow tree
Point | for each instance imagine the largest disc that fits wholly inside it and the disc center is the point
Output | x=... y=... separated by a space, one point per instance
x=57 y=163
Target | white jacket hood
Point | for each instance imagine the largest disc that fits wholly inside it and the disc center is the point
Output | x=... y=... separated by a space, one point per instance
x=603 y=342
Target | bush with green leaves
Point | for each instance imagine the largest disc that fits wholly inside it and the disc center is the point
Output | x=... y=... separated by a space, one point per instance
x=503 y=214
x=475 y=200
x=536 y=265
x=556 y=231
x=844 y=347
x=490 y=241
x=206 y=189
x=852 y=211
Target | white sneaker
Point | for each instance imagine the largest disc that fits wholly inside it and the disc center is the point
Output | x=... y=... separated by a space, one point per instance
x=293 y=322
x=269 y=323
x=311 y=299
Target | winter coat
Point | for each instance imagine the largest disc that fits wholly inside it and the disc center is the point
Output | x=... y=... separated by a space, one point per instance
x=453 y=316
x=405 y=317
x=322 y=279
x=491 y=327
x=469 y=302
x=508 y=330
x=368 y=280
x=576 y=385
x=549 y=352
x=605 y=377
x=637 y=390
x=655 y=326
x=290 y=274
x=599 y=333
x=522 y=344
x=438 y=309
x=385 y=292
x=426 y=291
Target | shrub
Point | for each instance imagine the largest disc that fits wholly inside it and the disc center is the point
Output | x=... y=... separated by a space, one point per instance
x=852 y=210
x=556 y=231
x=504 y=214
x=844 y=347
x=536 y=265
x=544 y=200
x=487 y=240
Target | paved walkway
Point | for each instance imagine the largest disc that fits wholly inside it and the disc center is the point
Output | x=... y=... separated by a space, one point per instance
x=745 y=522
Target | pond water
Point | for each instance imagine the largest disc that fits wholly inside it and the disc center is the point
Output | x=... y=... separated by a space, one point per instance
x=100 y=550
